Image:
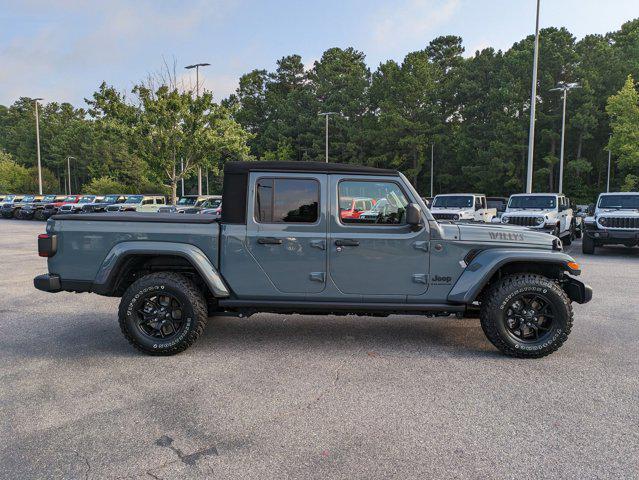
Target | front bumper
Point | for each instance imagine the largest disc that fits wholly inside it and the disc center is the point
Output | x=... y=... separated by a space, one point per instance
x=47 y=283
x=613 y=236
x=577 y=291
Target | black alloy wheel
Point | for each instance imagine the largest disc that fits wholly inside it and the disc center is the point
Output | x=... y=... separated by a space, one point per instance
x=529 y=318
x=160 y=316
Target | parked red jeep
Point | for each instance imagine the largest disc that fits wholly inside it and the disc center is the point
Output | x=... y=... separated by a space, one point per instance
x=52 y=208
x=354 y=207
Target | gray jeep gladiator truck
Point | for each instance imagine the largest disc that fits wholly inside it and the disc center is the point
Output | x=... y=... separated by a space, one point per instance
x=283 y=246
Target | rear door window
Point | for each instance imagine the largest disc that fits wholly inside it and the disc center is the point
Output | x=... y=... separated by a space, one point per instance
x=287 y=200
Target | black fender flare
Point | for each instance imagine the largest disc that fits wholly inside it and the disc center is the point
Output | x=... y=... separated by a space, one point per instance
x=485 y=264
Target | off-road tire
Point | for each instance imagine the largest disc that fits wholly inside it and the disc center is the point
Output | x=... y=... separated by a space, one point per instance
x=588 y=245
x=193 y=308
x=493 y=315
x=567 y=240
x=38 y=215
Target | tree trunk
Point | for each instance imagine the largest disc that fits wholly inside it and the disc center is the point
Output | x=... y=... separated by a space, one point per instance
x=580 y=144
x=174 y=182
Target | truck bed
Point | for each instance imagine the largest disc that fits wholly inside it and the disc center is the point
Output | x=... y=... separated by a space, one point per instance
x=89 y=246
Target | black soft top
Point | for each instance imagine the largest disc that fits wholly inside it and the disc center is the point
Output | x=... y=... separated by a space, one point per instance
x=236 y=174
x=319 y=167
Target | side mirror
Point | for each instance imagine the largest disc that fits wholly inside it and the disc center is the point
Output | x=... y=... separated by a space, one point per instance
x=591 y=209
x=413 y=215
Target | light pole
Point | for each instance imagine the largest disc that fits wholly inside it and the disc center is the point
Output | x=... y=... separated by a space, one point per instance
x=432 y=162
x=197 y=94
x=69 y=170
x=326 y=115
x=35 y=100
x=563 y=87
x=533 y=104
x=609 y=158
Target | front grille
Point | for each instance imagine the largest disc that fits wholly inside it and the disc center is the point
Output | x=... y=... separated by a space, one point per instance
x=523 y=221
x=619 y=222
x=113 y=209
x=445 y=216
x=64 y=208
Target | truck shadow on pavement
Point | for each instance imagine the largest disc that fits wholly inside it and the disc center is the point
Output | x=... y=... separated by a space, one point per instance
x=79 y=336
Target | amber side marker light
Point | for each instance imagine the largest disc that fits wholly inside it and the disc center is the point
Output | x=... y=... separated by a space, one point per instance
x=574 y=266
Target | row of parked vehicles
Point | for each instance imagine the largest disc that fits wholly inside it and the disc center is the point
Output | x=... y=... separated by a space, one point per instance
x=42 y=207
x=614 y=219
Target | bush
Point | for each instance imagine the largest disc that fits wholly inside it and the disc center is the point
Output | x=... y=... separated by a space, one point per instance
x=14 y=178
x=104 y=185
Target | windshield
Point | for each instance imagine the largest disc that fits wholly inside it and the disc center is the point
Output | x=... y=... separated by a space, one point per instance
x=619 y=201
x=87 y=199
x=211 y=204
x=453 y=201
x=9 y=198
x=111 y=199
x=187 y=201
x=134 y=199
x=498 y=204
x=535 y=202
x=28 y=198
x=49 y=198
x=70 y=198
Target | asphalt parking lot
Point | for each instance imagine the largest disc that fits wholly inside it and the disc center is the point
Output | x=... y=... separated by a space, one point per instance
x=313 y=396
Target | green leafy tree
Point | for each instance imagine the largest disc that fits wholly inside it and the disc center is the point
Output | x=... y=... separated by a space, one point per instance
x=623 y=109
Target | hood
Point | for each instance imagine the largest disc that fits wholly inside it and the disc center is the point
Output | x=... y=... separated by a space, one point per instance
x=618 y=213
x=450 y=209
x=501 y=234
x=527 y=213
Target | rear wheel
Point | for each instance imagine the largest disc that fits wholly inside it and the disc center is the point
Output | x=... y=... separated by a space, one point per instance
x=570 y=236
x=588 y=245
x=38 y=215
x=163 y=313
x=526 y=316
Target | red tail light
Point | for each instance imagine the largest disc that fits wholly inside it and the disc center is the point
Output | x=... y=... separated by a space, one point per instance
x=47 y=245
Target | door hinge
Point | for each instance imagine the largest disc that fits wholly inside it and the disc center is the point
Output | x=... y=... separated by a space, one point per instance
x=421 y=245
x=317 y=277
x=420 y=278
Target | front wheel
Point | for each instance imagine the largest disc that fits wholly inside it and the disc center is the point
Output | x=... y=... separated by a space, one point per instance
x=163 y=313
x=526 y=316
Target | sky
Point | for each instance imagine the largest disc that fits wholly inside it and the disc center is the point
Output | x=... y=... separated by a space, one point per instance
x=63 y=49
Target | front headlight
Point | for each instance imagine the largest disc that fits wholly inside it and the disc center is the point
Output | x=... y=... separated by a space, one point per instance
x=505 y=220
x=540 y=220
x=455 y=217
x=603 y=221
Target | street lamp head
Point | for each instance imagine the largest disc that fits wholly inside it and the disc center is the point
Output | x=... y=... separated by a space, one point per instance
x=37 y=99
x=189 y=67
x=565 y=86
x=328 y=113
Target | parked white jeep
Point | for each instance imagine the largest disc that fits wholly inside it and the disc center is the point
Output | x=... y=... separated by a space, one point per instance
x=614 y=220
x=543 y=211
x=462 y=206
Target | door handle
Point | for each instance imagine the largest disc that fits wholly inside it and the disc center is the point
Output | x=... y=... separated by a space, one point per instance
x=346 y=243
x=269 y=241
